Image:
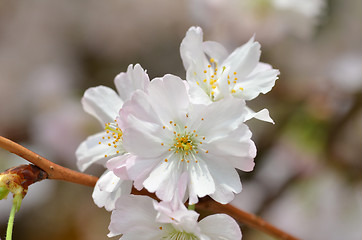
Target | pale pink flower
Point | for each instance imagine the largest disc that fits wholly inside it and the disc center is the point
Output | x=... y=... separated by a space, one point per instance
x=214 y=75
x=140 y=217
x=166 y=135
x=104 y=104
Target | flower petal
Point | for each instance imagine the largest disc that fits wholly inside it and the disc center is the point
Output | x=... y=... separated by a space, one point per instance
x=119 y=165
x=143 y=141
x=237 y=148
x=220 y=227
x=133 y=213
x=169 y=97
x=198 y=95
x=259 y=81
x=226 y=178
x=244 y=59
x=220 y=118
x=108 y=189
x=90 y=151
x=215 y=50
x=127 y=83
x=191 y=49
x=201 y=181
x=262 y=115
x=164 y=179
x=102 y=102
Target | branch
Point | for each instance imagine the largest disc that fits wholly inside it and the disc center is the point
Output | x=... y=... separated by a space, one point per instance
x=57 y=172
x=243 y=217
x=53 y=170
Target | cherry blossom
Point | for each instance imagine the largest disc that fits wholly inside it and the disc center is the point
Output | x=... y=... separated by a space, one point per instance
x=214 y=75
x=166 y=135
x=104 y=104
x=140 y=217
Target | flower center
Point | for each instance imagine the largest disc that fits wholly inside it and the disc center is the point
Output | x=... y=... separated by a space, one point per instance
x=113 y=138
x=185 y=143
x=210 y=79
x=176 y=235
x=211 y=76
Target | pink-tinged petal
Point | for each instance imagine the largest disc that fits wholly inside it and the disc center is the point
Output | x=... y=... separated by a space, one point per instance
x=191 y=49
x=262 y=115
x=256 y=83
x=244 y=59
x=220 y=118
x=133 y=213
x=168 y=97
x=108 y=189
x=128 y=82
x=139 y=106
x=164 y=178
x=90 y=151
x=120 y=164
x=139 y=169
x=201 y=181
x=236 y=148
x=102 y=102
x=220 y=227
x=143 y=141
x=226 y=178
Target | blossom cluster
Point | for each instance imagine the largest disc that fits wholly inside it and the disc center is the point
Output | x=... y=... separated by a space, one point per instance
x=180 y=139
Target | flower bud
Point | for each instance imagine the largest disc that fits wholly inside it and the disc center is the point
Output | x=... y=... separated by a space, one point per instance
x=3 y=192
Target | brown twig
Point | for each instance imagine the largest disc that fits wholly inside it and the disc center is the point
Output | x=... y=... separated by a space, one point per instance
x=246 y=218
x=55 y=171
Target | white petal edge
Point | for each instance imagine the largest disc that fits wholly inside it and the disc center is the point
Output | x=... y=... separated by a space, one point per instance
x=108 y=189
x=128 y=82
x=102 y=102
x=90 y=151
x=220 y=227
x=262 y=115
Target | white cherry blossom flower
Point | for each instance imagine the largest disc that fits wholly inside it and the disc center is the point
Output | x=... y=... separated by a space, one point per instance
x=140 y=217
x=219 y=75
x=166 y=136
x=104 y=104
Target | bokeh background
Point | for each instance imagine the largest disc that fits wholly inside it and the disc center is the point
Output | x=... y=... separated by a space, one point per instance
x=307 y=178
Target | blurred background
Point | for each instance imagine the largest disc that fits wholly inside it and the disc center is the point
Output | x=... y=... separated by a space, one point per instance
x=308 y=174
